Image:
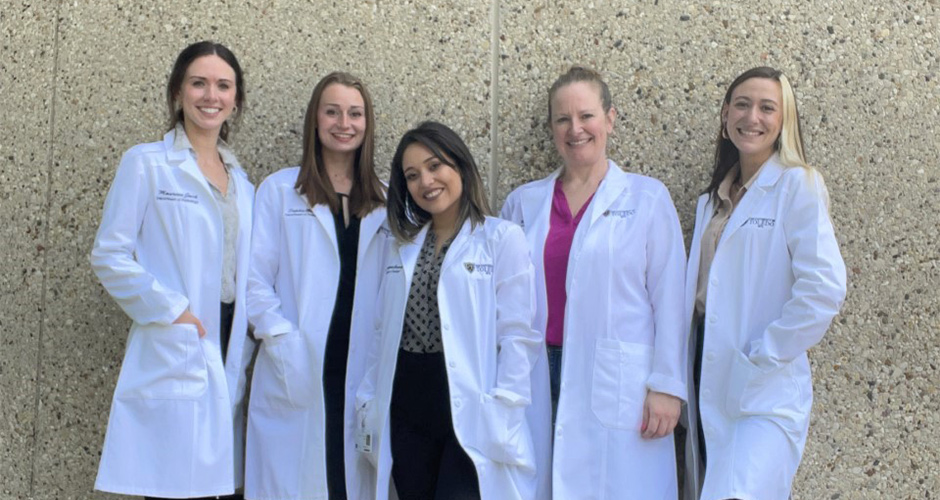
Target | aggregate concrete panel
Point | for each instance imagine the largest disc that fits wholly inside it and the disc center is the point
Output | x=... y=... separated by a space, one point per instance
x=866 y=84
x=27 y=34
x=113 y=98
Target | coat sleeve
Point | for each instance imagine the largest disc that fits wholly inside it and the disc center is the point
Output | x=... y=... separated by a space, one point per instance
x=139 y=293
x=519 y=343
x=819 y=284
x=512 y=209
x=264 y=304
x=665 y=286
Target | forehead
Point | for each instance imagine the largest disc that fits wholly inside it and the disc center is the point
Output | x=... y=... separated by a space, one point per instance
x=758 y=89
x=416 y=154
x=339 y=94
x=211 y=67
x=577 y=95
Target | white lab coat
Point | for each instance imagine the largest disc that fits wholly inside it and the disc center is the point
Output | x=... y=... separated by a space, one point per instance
x=486 y=303
x=176 y=417
x=295 y=266
x=775 y=284
x=623 y=334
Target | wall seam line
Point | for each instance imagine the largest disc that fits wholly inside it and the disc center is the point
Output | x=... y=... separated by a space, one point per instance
x=494 y=103
x=45 y=251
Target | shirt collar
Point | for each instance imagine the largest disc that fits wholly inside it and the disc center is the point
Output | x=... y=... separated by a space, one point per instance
x=181 y=143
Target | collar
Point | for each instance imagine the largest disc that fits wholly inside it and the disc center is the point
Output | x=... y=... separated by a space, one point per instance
x=181 y=143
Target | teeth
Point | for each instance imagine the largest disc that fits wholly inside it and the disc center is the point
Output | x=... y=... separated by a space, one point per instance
x=210 y=111
x=749 y=133
x=580 y=142
x=430 y=195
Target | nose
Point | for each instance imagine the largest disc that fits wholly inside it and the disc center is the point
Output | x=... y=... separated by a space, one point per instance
x=426 y=178
x=343 y=120
x=752 y=113
x=211 y=92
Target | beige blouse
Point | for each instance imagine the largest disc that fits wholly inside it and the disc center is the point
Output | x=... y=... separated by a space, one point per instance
x=730 y=193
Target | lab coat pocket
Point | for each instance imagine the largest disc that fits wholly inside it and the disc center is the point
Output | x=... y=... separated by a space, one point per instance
x=504 y=435
x=755 y=391
x=618 y=388
x=292 y=385
x=164 y=362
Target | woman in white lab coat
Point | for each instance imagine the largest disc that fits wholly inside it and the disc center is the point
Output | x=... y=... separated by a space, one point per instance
x=172 y=250
x=765 y=278
x=315 y=256
x=609 y=261
x=442 y=407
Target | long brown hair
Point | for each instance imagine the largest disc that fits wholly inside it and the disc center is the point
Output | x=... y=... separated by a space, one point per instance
x=789 y=143
x=405 y=217
x=313 y=182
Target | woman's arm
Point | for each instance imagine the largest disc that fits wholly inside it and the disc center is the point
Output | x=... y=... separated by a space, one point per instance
x=135 y=289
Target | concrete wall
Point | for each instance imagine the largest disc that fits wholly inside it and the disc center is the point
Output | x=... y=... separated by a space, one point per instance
x=80 y=82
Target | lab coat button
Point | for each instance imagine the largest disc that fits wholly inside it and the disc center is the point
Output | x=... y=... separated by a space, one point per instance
x=558 y=432
x=457 y=403
x=451 y=364
x=713 y=282
x=706 y=394
x=713 y=319
x=710 y=356
x=445 y=326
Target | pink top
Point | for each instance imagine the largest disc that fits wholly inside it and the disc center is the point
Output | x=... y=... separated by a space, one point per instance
x=557 y=248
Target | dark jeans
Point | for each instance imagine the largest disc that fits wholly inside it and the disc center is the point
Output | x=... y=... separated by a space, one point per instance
x=428 y=461
x=554 y=376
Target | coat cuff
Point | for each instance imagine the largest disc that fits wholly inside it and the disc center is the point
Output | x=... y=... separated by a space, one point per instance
x=667 y=385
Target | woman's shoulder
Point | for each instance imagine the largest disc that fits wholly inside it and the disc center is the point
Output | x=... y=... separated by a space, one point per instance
x=280 y=178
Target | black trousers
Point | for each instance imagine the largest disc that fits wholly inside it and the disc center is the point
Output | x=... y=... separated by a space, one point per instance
x=697 y=379
x=428 y=461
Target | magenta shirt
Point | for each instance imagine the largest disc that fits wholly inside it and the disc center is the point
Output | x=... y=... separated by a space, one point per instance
x=557 y=248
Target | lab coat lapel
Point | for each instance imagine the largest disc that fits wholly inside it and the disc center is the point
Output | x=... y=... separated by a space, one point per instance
x=766 y=179
x=408 y=254
x=186 y=161
x=458 y=245
x=322 y=212
x=615 y=181
x=368 y=228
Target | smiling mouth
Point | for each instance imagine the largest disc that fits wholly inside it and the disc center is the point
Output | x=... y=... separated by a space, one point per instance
x=211 y=111
x=579 y=142
x=750 y=133
x=432 y=194
x=344 y=137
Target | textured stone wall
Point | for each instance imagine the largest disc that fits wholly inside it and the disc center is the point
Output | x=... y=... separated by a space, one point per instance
x=82 y=81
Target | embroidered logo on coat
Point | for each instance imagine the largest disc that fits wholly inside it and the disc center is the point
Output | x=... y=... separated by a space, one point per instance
x=623 y=214
x=393 y=269
x=486 y=269
x=760 y=222
x=164 y=195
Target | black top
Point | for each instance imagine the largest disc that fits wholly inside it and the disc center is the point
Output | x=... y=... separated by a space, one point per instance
x=337 y=343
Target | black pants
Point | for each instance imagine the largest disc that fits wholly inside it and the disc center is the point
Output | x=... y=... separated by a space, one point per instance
x=428 y=461
x=697 y=378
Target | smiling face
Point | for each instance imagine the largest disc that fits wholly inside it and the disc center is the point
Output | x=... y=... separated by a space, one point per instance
x=753 y=119
x=341 y=119
x=580 y=126
x=435 y=186
x=207 y=94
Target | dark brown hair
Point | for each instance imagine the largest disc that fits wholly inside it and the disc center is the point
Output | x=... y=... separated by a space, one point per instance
x=405 y=217
x=175 y=84
x=312 y=181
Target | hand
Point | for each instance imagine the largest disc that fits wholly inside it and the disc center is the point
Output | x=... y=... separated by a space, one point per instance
x=660 y=414
x=188 y=318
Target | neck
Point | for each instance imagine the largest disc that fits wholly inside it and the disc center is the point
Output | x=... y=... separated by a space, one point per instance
x=339 y=168
x=750 y=164
x=444 y=225
x=203 y=141
x=584 y=175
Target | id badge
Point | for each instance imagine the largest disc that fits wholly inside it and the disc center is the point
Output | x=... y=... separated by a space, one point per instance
x=364 y=441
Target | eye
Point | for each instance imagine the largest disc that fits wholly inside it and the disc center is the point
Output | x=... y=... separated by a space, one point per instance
x=587 y=116
x=198 y=84
x=330 y=112
x=434 y=165
x=410 y=176
x=561 y=119
x=741 y=105
x=224 y=86
x=767 y=108
x=356 y=114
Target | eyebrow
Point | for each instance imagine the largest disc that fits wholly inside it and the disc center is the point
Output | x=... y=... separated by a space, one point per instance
x=337 y=105
x=198 y=77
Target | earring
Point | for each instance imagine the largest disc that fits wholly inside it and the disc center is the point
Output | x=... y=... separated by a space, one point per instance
x=234 y=110
x=724 y=130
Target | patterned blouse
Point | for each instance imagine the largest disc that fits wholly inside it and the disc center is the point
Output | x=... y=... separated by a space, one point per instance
x=421 y=332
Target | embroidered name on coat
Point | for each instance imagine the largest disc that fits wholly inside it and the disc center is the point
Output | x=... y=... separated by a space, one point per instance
x=485 y=269
x=164 y=195
x=298 y=212
x=623 y=214
x=760 y=222
x=393 y=269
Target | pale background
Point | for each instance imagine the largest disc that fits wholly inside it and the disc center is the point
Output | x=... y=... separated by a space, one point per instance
x=81 y=81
